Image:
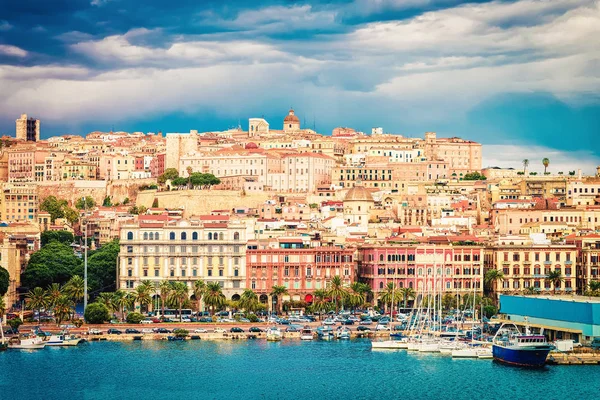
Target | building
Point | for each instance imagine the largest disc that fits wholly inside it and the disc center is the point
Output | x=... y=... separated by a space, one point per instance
x=298 y=265
x=211 y=248
x=291 y=123
x=18 y=202
x=28 y=129
x=562 y=317
x=453 y=269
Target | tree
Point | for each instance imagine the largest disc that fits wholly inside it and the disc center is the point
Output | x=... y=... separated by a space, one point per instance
x=491 y=277
x=107 y=299
x=143 y=293
x=15 y=323
x=474 y=176
x=357 y=295
x=2 y=307
x=62 y=309
x=37 y=299
x=102 y=267
x=134 y=318
x=337 y=291
x=390 y=295
x=572 y=173
x=54 y=292
x=180 y=181
x=594 y=287
x=121 y=300
x=248 y=300
x=278 y=292
x=54 y=206
x=525 y=165
x=554 y=277
x=213 y=296
x=96 y=313
x=530 y=290
x=179 y=294
x=448 y=301
x=71 y=215
x=320 y=303
x=155 y=203
x=64 y=237
x=107 y=202
x=54 y=263
x=126 y=201
x=198 y=291
x=168 y=175
x=545 y=162
x=407 y=293
x=75 y=288
x=4 y=281
x=164 y=292
x=86 y=202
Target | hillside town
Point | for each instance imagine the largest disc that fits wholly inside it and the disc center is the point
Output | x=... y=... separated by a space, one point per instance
x=287 y=206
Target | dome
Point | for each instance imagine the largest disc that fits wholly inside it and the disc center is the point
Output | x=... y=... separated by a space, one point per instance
x=358 y=193
x=291 y=118
x=251 y=145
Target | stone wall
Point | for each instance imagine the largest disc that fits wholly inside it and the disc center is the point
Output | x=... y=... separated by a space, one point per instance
x=98 y=190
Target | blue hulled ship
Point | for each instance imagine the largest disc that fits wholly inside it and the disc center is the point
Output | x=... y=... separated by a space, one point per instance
x=512 y=347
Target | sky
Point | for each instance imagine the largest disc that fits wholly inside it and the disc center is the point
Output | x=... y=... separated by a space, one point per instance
x=521 y=77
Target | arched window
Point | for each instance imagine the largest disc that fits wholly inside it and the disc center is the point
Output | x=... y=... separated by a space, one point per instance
x=183 y=236
x=145 y=235
x=236 y=236
x=221 y=236
x=172 y=236
x=194 y=235
x=381 y=257
x=209 y=235
x=129 y=235
x=389 y=258
x=156 y=236
x=151 y=236
x=380 y=285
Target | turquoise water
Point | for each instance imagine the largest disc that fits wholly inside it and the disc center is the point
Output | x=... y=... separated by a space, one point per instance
x=284 y=370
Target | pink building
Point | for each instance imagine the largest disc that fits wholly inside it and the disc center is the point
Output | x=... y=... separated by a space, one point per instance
x=457 y=270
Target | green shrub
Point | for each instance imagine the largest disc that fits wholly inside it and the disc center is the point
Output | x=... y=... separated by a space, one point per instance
x=96 y=313
x=134 y=318
x=180 y=332
x=15 y=323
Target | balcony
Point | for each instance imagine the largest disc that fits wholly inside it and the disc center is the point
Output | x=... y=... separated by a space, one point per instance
x=547 y=262
x=568 y=262
x=526 y=262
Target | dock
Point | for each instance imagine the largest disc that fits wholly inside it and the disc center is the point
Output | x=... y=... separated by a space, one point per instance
x=574 y=358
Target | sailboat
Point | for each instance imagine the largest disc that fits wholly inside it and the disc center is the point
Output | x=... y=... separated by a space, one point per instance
x=3 y=342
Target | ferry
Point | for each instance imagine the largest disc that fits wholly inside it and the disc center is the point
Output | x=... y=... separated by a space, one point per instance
x=512 y=347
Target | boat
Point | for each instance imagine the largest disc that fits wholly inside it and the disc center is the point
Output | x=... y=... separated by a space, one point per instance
x=26 y=342
x=273 y=334
x=62 y=340
x=343 y=333
x=390 y=344
x=465 y=352
x=325 y=333
x=511 y=347
x=485 y=353
x=306 y=333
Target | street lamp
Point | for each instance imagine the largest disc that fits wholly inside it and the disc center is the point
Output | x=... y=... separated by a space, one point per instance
x=85 y=272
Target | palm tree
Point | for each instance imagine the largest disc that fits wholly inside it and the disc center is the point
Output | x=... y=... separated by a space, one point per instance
x=62 y=308
x=491 y=277
x=213 y=296
x=198 y=290
x=248 y=300
x=320 y=302
x=179 y=294
x=546 y=162
x=357 y=294
x=554 y=277
x=337 y=291
x=407 y=294
x=279 y=291
x=75 y=288
x=164 y=291
x=2 y=307
x=530 y=290
x=54 y=292
x=389 y=295
x=36 y=300
x=120 y=301
x=143 y=293
x=107 y=299
x=594 y=288
x=525 y=165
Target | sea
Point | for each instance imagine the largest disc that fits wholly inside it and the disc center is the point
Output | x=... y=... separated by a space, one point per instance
x=290 y=369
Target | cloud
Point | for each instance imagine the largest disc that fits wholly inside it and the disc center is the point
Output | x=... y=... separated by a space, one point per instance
x=512 y=156
x=5 y=26
x=12 y=51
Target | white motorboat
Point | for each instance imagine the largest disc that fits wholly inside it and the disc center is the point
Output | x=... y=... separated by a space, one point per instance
x=26 y=343
x=343 y=333
x=62 y=340
x=274 y=334
x=467 y=352
x=448 y=348
x=390 y=344
x=485 y=353
x=307 y=334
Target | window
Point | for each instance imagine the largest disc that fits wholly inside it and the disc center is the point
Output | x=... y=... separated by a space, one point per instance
x=172 y=236
x=145 y=235
x=194 y=272
x=183 y=249
x=130 y=249
x=236 y=236
x=129 y=235
x=183 y=272
x=183 y=236
x=172 y=272
x=156 y=272
x=220 y=271
x=236 y=272
x=209 y=235
x=194 y=235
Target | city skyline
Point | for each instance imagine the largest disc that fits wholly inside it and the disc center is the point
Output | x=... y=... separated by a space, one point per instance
x=516 y=76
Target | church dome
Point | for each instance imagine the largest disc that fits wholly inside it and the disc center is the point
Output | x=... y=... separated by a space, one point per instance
x=358 y=193
x=251 y=145
x=291 y=118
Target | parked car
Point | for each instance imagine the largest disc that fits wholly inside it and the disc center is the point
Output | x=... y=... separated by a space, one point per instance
x=148 y=320
x=292 y=328
x=94 y=331
x=200 y=330
x=131 y=330
x=283 y=321
x=595 y=344
x=363 y=328
x=329 y=321
x=255 y=329
x=186 y=319
x=382 y=327
x=220 y=330
x=366 y=322
x=206 y=319
x=236 y=329
x=161 y=330
x=347 y=322
x=147 y=330
x=113 y=331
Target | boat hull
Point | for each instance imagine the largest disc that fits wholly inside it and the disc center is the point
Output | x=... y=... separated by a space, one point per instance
x=533 y=357
x=388 y=344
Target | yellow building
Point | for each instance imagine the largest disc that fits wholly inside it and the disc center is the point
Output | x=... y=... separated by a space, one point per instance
x=18 y=202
